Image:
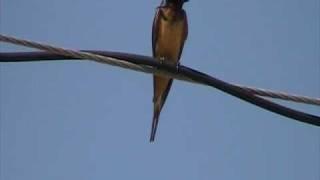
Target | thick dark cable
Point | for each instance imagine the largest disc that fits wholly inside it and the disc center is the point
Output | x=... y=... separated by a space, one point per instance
x=188 y=72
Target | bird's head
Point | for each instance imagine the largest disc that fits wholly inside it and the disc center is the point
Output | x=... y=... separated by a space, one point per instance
x=176 y=3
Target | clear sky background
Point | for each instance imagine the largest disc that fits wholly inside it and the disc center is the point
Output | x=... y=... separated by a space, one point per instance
x=83 y=120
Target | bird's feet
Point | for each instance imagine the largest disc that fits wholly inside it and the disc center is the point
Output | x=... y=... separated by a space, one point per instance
x=177 y=66
x=162 y=60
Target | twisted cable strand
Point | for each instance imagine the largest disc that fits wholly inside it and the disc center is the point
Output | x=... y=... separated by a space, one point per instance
x=72 y=53
x=281 y=95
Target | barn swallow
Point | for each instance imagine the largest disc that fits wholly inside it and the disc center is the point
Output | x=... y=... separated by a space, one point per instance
x=169 y=32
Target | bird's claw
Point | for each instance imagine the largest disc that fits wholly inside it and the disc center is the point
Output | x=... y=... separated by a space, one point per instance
x=177 y=66
x=162 y=59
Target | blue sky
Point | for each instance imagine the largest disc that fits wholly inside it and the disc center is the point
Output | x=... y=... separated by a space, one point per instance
x=83 y=120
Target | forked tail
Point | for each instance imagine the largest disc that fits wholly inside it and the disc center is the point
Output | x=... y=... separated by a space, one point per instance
x=155 y=120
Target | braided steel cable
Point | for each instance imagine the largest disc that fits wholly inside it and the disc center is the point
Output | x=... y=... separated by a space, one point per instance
x=281 y=95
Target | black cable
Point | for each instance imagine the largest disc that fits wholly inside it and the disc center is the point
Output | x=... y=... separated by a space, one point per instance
x=183 y=70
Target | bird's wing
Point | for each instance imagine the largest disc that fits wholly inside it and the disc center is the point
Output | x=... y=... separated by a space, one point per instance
x=155 y=30
x=185 y=31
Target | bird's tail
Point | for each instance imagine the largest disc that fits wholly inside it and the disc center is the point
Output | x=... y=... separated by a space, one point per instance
x=155 y=120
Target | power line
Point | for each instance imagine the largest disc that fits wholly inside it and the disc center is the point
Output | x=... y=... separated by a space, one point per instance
x=41 y=56
x=149 y=65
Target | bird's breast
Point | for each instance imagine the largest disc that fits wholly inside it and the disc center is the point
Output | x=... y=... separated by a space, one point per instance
x=170 y=39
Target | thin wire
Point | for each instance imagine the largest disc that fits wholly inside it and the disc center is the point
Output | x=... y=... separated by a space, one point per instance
x=182 y=73
x=281 y=95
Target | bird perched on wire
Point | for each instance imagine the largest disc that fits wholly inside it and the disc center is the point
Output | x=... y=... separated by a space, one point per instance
x=169 y=32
